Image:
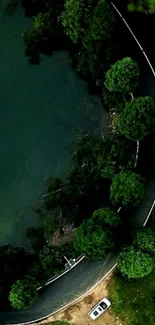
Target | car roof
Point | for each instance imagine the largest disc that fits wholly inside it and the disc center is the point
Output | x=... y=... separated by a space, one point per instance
x=97 y=305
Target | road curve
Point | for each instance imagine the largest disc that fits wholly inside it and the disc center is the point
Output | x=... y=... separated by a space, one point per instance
x=62 y=291
x=80 y=279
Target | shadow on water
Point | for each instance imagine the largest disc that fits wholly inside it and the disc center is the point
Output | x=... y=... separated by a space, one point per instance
x=43 y=110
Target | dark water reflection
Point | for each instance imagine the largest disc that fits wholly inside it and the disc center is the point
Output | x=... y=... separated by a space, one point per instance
x=43 y=109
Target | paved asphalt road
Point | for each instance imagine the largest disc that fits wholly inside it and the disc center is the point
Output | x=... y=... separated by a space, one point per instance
x=80 y=279
x=72 y=285
x=87 y=273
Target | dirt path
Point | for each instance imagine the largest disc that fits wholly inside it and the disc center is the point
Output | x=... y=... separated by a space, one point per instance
x=77 y=314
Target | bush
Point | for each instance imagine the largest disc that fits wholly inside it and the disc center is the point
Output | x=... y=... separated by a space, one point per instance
x=138 y=118
x=51 y=223
x=106 y=217
x=93 y=241
x=23 y=293
x=127 y=189
x=134 y=263
x=144 y=239
x=123 y=76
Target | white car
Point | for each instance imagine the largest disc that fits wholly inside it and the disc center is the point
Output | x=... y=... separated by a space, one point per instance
x=99 y=309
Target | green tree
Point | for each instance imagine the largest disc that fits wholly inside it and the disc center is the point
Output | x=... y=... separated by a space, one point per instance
x=127 y=189
x=44 y=35
x=52 y=258
x=106 y=217
x=90 y=24
x=36 y=271
x=51 y=223
x=93 y=241
x=23 y=293
x=15 y=263
x=123 y=76
x=144 y=239
x=147 y=6
x=115 y=101
x=100 y=24
x=138 y=118
x=72 y=19
x=105 y=158
x=118 y=154
x=134 y=263
x=54 y=194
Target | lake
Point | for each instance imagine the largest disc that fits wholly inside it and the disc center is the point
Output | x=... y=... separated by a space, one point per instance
x=43 y=110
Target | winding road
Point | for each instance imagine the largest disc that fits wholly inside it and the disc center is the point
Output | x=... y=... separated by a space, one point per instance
x=87 y=273
x=79 y=280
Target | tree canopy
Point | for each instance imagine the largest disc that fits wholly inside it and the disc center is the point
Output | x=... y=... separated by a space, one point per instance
x=134 y=263
x=15 y=263
x=52 y=258
x=127 y=188
x=118 y=154
x=138 y=118
x=93 y=241
x=147 y=6
x=83 y=21
x=144 y=239
x=123 y=76
x=90 y=25
x=23 y=293
x=106 y=217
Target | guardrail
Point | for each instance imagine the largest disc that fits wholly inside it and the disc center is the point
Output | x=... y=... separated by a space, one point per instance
x=57 y=276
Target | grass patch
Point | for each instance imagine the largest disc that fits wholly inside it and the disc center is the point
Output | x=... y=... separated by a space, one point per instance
x=133 y=301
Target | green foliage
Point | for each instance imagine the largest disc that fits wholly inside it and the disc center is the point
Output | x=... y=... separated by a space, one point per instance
x=51 y=223
x=93 y=241
x=144 y=239
x=36 y=271
x=138 y=118
x=123 y=76
x=46 y=32
x=147 y=6
x=84 y=22
x=106 y=217
x=105 y=158
x=90 y=24
x=100 y=24
x=72 y=19
x=129 y=297
x=36 y=237
x=23 y=293
x=135 y=263
x=43 y=30
x=52 y=258
x=115 y=101
x=54 y=193
x=127 y=189
x=15 y=263
x=119 y=154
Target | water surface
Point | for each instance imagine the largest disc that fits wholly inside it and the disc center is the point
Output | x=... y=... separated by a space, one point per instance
x=43 y=110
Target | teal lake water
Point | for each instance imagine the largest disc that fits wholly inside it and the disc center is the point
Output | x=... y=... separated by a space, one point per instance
x=43 y=110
